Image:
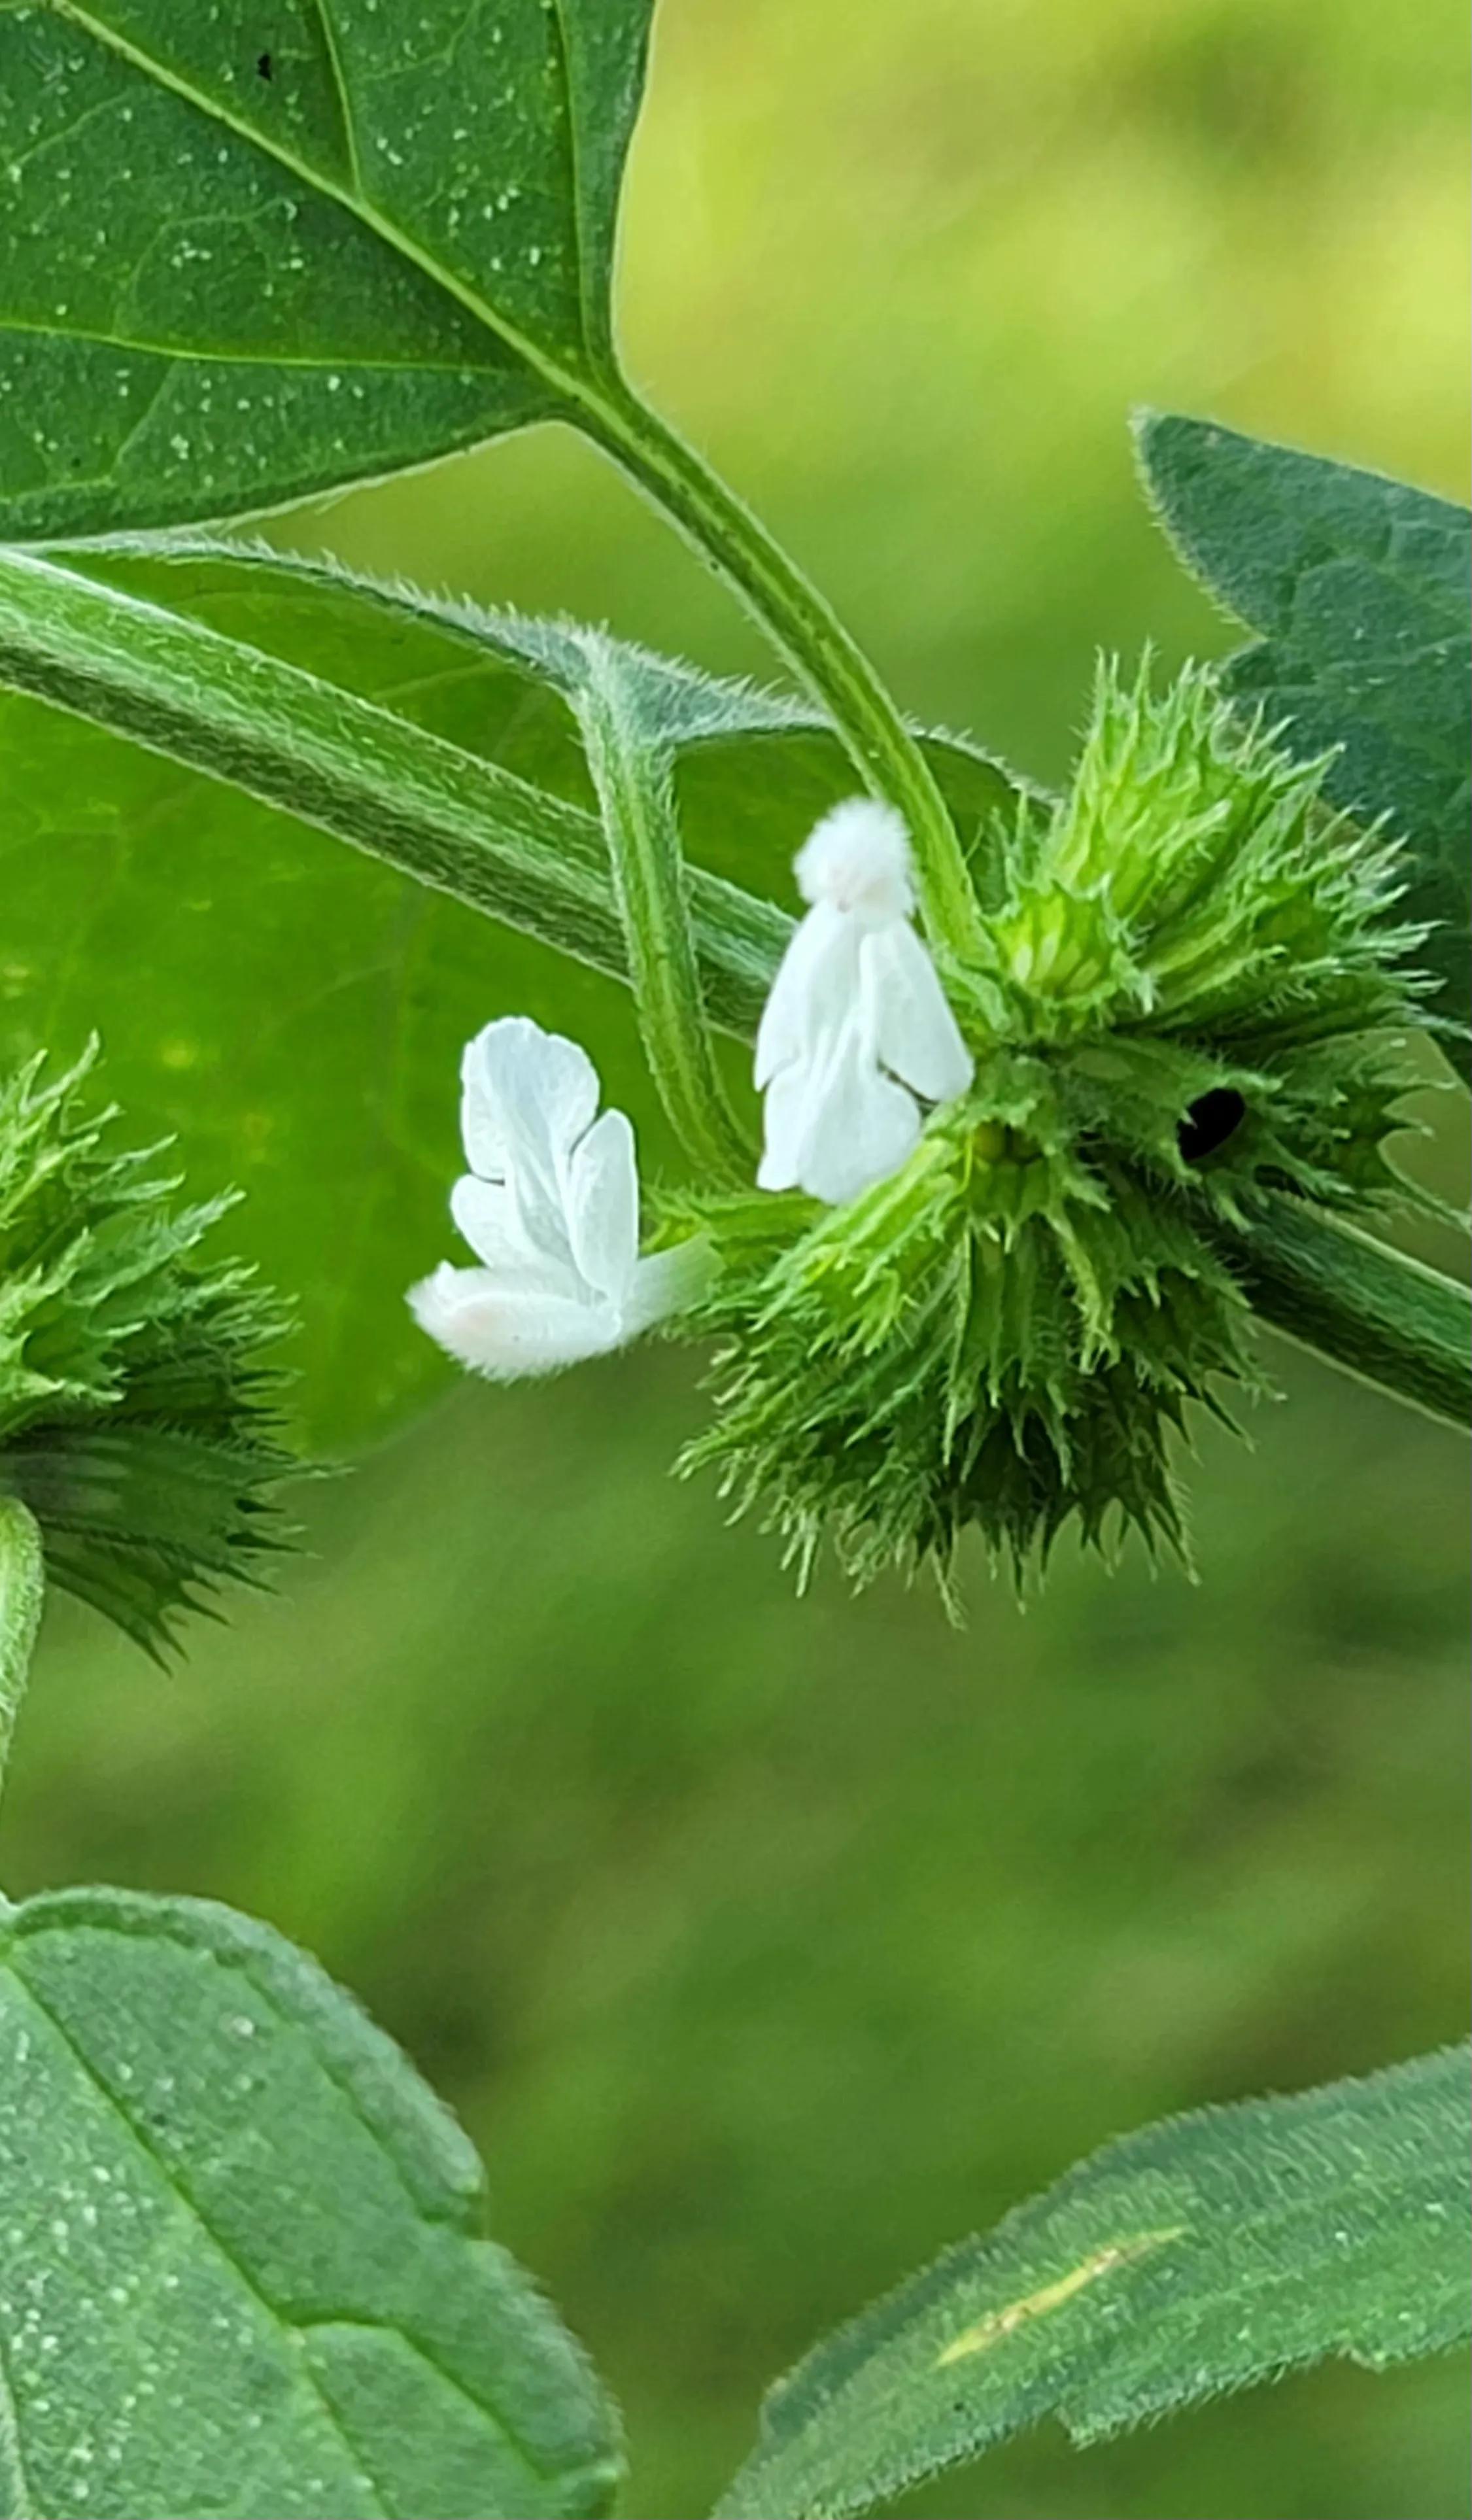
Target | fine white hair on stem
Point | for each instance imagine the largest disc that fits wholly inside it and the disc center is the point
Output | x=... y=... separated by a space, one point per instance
x=856 y=1034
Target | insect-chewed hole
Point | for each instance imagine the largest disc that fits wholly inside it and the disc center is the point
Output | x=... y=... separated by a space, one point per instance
x=264 y=67
x=1212 y=1119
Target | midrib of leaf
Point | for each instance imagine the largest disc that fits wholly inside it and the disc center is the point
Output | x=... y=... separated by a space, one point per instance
x=558 y=19
x=570 y=388
x=232 y=358
x=324 y=18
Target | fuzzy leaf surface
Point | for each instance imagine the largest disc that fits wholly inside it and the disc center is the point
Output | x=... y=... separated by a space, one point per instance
x=251 y=252
x=1360 y=589
x=1197 y=2256
x=293 y=1011
x=245 y=2270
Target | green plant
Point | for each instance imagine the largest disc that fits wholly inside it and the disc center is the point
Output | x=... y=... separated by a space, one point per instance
x=1014 y=1224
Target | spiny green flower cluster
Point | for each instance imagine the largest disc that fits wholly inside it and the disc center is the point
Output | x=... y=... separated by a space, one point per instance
x=139 y=1419
x=1193 y=991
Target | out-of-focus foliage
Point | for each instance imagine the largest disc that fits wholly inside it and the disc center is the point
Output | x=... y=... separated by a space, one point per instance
x=765 y=1949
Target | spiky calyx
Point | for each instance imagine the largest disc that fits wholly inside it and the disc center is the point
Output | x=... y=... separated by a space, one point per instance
x=1192 y=991
x=140 y=1415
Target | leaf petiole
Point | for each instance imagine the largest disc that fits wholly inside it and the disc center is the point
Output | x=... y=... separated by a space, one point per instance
x=806 y=630
x=634 y=777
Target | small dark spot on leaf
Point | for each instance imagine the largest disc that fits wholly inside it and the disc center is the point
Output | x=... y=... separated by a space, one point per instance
x=263 y=67
x=1212 y=1119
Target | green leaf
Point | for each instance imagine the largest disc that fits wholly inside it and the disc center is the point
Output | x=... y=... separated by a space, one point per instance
x=251 y=251
x=1198 y=2256
x=294 y=1013
x=245 y=2269
x=1359 y=587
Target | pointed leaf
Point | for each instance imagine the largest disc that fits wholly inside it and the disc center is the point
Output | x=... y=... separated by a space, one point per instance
x=244 y=2263
x=1200 y=2255
x=1360 y=588
x=252 y=252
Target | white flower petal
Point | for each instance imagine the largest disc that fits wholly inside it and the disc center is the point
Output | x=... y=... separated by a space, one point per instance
x=507 y=1328
x=490 y=1219
x=603 y=1207
x=909 y=1024
x=862 y=1127
x=786 y=1125
x=815 y=990
x=526 y=1092
x=528 y=1097
x=836 y=1126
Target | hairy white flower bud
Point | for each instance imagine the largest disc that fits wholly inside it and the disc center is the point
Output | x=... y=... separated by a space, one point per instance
x=856 y=1034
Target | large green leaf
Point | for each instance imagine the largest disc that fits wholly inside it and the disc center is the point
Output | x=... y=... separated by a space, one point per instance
x=251 y=249
x=1360 y=588
x=295 y=1012
x=243 y=2264
x=1201 y=2255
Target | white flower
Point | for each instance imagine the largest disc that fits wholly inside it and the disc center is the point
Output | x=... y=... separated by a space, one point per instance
x=857 y=1032
x=551 y=1208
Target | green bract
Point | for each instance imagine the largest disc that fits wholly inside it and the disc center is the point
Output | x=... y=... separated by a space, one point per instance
x=1189 y=1001
x=139 y=1416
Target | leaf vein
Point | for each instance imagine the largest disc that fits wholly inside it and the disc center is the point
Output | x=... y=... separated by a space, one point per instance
x=178 y=2189
x=486 y=2404
x=182 y=352
x=358 y=205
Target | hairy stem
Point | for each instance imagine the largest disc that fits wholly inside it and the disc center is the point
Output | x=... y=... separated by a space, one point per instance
x=1377 y=1313
x=803 y=626
x=650 y=885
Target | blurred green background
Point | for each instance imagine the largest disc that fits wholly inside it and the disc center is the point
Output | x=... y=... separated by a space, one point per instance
x=765 y=1948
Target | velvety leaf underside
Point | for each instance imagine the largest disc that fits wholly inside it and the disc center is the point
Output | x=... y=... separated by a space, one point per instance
x=243 y=2270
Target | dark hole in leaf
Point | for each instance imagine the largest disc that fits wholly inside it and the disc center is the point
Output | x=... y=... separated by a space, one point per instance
x=1210 y=1122
x=263 y=67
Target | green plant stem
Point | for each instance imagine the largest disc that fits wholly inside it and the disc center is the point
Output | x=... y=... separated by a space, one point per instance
x=635 y=783
x=1380 y=1315
x=446 y=817
x=806 y=630
x=23 y=1585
